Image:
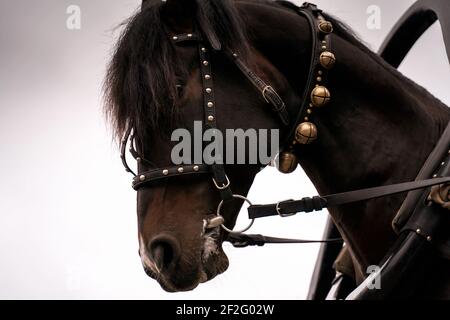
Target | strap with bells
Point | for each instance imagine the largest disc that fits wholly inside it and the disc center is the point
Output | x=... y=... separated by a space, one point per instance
x=316 y=95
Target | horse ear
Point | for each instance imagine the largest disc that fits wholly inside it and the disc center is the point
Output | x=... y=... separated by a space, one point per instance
x=183 y=14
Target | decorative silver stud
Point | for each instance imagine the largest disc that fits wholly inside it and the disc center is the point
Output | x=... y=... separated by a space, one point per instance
x=138 y=159
x=189 y=35
x=165 y=172
x=418 y=231
x=210 y=118
x=208 y=90
x=435 y=176
x=175 y=38
x=196 y=168
x=443 y=164
x=205 y=63
x=207 y=77
x=180 y=170
x=142 y=178
x=429 y=239
x=210 y=104
x=204 y=50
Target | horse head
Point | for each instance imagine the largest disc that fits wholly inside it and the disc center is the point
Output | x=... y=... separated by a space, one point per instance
x=155 y=85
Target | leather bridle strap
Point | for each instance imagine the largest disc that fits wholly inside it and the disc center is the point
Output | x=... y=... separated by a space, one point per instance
x=318 y=203
x=246 y=240
x=146 y=177
x=220 y=178
x=268 y=93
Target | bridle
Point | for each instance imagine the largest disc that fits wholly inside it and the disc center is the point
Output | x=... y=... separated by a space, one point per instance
x=300 y=128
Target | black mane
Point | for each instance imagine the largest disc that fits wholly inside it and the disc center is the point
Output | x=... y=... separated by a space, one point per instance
x=140 y=85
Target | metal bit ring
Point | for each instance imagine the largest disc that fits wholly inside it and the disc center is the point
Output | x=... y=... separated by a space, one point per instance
x=219 y=208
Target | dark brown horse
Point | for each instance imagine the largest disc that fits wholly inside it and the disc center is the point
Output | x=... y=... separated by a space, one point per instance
x=378 y=129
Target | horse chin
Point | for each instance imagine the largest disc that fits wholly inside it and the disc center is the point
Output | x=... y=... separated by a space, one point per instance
x=171 y=285
x=214 y=259
x=215 y=264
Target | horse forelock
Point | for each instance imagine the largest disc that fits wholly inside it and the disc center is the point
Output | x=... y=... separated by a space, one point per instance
x=140 y=85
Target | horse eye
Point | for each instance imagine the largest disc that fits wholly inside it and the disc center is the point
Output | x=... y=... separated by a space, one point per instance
x=180 y=88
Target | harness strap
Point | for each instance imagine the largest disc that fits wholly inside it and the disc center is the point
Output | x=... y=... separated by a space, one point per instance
x=241 y=240
x=318 y=203
x=311 y=13
x=153 y=175
x=123 y=147
x=220 y=178
x=186 y=37
x=268 y=93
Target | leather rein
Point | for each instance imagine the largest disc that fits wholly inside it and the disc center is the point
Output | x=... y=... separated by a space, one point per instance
x=321 y=30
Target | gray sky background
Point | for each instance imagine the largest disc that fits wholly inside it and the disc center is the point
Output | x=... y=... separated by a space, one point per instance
x=67 y=212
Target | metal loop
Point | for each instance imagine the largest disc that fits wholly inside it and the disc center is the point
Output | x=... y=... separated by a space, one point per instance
x=219 y=208
x=266 y=88
x=284 y=215
x=224 y=186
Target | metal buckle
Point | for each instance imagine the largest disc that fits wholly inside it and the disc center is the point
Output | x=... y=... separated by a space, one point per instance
x=219 y=208
x=224 y=186
x=264 y=91
x=284 y=215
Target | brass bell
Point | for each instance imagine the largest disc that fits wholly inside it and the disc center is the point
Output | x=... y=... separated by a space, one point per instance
x=287 y=162
x=306 y=133
x=320 y=96
x=327 y=60
x=325 y=26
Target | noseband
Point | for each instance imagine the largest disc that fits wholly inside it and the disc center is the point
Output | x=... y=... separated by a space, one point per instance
x=300 y=128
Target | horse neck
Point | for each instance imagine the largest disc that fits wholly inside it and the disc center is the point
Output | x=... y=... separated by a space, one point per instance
x=378 y=129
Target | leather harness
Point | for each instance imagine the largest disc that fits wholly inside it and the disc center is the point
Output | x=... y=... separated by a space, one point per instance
x=208 y=44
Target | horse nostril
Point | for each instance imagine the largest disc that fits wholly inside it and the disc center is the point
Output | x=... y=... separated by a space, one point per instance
x=164 y=252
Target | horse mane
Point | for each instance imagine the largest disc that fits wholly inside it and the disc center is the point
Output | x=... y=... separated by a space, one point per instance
x=345 y=32
x=140 y=85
